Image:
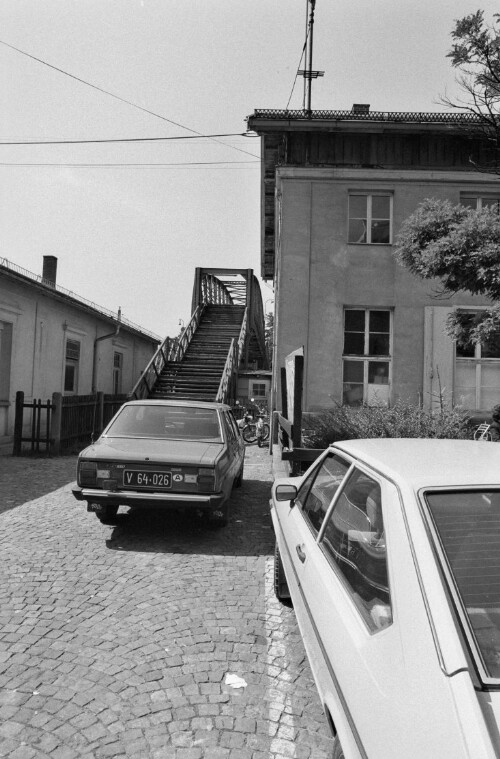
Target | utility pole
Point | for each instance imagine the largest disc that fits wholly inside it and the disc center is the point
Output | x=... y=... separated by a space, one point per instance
x=309 y=73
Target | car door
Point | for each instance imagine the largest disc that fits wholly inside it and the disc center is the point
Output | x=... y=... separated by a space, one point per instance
x=234 y=445
x=341 y=570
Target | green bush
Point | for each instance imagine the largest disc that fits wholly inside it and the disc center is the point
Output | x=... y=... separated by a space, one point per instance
x=403 y=419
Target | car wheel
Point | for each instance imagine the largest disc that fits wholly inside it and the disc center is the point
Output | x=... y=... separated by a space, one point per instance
x=338 y=751
x=238 y=481
x=107 y=514
x=280 y=584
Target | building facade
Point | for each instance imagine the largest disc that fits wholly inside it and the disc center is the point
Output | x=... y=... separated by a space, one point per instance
x=53 y=341
x=336 y=187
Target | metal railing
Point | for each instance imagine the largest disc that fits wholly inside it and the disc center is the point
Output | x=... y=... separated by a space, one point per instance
x=171 y=350
x=224 y=394
x=419 y=117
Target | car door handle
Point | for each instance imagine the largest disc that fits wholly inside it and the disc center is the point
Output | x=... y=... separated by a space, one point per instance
x=300 y=553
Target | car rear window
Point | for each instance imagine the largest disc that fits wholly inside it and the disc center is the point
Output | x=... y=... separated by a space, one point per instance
x=166 y=422
x=467 y=523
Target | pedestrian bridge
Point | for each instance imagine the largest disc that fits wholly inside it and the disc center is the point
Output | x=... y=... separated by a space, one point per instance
x=225 y=335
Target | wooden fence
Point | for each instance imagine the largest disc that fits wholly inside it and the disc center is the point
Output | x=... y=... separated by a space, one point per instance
x=63 y=423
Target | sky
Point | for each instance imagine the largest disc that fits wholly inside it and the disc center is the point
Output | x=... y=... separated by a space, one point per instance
x=130 y=220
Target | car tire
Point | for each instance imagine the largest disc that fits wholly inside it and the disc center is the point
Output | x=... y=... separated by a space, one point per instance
x=107 y=514
x=338 y=751
x=238 y=480
x=280 y=583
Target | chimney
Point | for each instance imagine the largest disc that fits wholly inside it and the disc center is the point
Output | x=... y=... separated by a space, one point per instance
x=361 y=108
x=49 y=271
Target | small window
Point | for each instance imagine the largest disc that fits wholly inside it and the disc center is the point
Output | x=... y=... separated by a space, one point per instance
x=317 y=491
x=367 y=356
x=71 y=366
x=117 y=372
x=259 y=389
x=73 y=350
x=370 y=219
x=354 y=543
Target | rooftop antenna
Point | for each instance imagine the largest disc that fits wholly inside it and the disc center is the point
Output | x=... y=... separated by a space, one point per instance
x=309 y=73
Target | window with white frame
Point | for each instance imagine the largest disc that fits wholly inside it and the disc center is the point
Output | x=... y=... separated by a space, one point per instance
x=117 y=372
x=367 y=356
x=72 y=360
x=478 y=202
x=370 y=218
x=477 y=374
x=259 y=389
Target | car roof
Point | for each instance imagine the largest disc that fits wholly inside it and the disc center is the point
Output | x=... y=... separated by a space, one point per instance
x=164 y=402
x=428 y=462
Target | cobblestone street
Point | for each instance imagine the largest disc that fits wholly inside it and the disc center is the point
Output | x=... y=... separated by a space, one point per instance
x=158 y=637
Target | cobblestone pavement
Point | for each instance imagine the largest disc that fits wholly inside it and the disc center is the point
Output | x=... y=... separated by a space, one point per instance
x=128 y=641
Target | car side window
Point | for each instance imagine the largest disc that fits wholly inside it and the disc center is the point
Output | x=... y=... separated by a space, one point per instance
x=319 y=487
x=229 y=427
x=233 y=424
x=354 y=542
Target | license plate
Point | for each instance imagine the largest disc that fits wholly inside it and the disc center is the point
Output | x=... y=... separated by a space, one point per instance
x=135 y=479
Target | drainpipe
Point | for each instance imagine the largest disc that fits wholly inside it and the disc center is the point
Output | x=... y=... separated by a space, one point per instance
x=97 y=340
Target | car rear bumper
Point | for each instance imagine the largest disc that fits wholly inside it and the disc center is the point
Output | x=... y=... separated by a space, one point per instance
x=137 y=498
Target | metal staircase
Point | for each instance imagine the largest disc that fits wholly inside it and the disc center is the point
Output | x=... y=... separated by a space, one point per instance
x=225 y=333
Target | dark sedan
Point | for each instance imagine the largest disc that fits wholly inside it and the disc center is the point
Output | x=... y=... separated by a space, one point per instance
x=169 y=454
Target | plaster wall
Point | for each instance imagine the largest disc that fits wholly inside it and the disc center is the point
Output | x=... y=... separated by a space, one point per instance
x=318 y=273
x=41 y=324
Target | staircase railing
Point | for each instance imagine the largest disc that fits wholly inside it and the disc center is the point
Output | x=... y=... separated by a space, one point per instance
x=171 y=349
x=224 y=394
x=148 y=378
x=188 y=333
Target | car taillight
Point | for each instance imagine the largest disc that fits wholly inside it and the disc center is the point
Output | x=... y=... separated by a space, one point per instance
x=206 y=479
x=87 y=474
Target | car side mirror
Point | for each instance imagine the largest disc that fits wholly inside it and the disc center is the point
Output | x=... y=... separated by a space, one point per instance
x=286 y=493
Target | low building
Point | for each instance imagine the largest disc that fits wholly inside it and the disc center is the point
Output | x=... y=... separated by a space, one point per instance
x=51 y=340
x=336 y=187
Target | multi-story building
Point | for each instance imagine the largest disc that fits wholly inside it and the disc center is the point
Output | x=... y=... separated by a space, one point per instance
x=54 y=341
x=336 y=187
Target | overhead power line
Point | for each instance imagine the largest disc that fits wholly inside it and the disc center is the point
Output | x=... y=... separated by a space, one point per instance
x=129 y=165
x=126 y=139
x=116 y=97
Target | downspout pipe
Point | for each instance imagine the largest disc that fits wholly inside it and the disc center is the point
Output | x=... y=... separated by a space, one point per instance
x=98 y=340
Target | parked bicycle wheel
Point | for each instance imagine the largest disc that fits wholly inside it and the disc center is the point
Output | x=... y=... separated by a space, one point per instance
x=249 y=433
x=482 y=432
x=263 y=434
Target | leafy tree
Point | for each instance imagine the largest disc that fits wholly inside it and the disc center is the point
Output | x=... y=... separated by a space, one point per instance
x=460 y=247
x=475 y=54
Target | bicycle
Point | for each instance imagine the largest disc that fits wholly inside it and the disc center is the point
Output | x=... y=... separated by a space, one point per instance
x=482 y=432
x=255 y=431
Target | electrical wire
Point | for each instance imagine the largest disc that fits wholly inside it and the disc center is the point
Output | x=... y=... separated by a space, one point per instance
x=128 y=165
x=126 y=139
x=116 y=97
x=298 y=67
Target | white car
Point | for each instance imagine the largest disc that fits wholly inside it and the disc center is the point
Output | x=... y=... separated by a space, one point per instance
x=390 y=551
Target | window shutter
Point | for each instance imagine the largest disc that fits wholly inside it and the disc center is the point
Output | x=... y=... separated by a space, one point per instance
x=438 y=358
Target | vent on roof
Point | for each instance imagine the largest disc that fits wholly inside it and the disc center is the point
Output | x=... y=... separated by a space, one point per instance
x=361 y=108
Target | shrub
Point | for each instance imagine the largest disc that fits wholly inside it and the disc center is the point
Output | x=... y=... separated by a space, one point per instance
x=403 y=419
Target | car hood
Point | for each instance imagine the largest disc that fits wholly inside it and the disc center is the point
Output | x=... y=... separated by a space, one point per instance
x=187 y=452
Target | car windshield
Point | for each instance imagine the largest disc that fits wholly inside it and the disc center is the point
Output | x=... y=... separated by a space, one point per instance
x=166 y=423
x=468 y=527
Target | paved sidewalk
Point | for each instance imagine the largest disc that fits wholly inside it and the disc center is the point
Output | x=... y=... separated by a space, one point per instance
x=23 y=478
x=157 y=638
